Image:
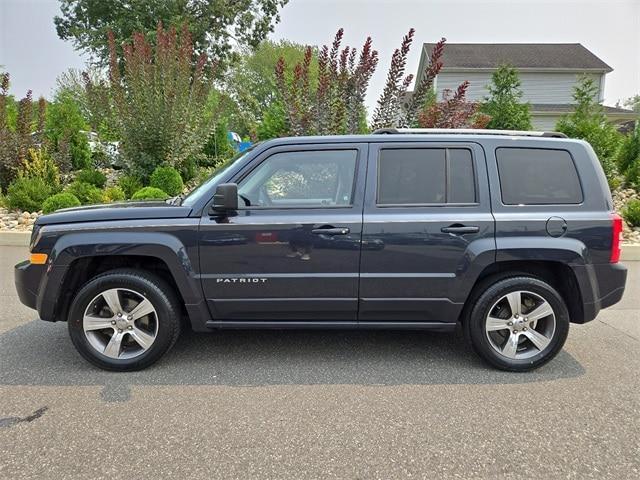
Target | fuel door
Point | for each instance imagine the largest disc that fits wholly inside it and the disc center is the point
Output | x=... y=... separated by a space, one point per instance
x=556 y=226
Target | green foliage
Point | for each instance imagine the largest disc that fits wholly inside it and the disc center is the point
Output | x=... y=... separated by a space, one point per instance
x=189 y=167
x=589 y=123
x=150 y=193
x=631 y=213
x=60 y=200
x=251 y=84
x=129 y=184
x=39 y=164
x=168 y=180
x=160 y=100
x=85 y=192
x=27 y=194
x=274 y=122
x=503 y=104
x=218 y=146
x=113 y=194
x=65 y=127
x=92 y=176
x=216 y=26
x=629 y=158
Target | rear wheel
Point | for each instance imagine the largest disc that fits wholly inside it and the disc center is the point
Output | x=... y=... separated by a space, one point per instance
x=124 y=320
x=518 y=323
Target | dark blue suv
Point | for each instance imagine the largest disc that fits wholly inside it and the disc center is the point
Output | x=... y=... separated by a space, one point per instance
x=511 y=235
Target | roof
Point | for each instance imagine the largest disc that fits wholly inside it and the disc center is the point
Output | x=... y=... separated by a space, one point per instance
x=568 y=108
x=534 y=56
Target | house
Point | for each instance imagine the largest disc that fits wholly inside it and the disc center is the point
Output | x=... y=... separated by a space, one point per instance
x=548 y=72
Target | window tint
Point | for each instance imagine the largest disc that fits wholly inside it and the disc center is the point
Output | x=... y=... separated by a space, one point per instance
x=537 y=177
x=305 y=178
x=462 y=185
x=414 y=176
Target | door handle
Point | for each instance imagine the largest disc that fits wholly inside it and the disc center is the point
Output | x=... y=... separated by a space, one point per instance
x=460 y=229
x=331 y=231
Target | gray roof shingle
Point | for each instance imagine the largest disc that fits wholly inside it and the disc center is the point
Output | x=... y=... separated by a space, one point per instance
x=565 y=56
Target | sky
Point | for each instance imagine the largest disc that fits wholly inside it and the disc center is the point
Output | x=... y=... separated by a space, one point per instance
x=34 y=55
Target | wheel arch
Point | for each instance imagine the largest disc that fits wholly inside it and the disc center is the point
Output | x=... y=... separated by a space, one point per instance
x=78 y=257
x=557 y=274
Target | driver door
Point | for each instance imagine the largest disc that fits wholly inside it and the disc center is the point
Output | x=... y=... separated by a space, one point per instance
x=292 y=251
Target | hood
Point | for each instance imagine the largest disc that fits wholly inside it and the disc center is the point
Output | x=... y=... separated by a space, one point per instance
x=115 y=211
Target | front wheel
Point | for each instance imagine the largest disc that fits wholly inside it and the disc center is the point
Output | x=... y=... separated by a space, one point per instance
x=518 y=324
x=124 y=320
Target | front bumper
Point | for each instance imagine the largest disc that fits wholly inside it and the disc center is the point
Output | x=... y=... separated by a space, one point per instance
x=27 y=280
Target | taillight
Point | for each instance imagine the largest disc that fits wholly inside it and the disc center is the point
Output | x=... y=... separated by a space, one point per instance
x=616 y=241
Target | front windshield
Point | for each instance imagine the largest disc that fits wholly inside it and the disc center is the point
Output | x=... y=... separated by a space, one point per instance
x=197 y=193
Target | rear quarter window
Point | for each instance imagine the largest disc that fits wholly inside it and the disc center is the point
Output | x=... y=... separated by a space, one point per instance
x=538 y=176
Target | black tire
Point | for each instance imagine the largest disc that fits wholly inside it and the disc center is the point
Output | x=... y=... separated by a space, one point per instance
x=483 y=302
x=157 y=291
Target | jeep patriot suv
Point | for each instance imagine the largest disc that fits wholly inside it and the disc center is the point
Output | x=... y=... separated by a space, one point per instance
x=511 y=235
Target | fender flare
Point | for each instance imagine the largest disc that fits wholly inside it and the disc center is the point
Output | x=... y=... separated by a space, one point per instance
x=77 y=245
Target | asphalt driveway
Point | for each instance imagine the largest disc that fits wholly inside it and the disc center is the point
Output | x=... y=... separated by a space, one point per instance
x=319 y=404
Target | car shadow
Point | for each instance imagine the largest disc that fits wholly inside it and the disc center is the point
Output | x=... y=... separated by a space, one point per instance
x=40 y=353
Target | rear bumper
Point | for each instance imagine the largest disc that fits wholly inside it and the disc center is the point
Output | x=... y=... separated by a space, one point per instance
x=607 y=288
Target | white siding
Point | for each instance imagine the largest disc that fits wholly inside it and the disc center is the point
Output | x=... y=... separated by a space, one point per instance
x=538 y=87
x=545 y=123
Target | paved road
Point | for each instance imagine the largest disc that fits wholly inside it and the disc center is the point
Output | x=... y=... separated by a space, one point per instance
x=319 y=405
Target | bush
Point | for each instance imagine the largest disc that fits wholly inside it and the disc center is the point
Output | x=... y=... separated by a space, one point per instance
x=168 y=180
x=60 y=200
x=129 y=184
x=92 y=176
x=85 y=192
x=629 y=158
x=39 y=164
x=631 y=213
x=113 y=194
x=27 y=194
x=150 y=193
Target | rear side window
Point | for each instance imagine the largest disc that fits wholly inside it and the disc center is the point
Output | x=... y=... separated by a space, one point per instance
x=535 y=176
x=422 y=176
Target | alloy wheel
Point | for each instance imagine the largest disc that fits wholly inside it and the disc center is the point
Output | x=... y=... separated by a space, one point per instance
x=120 y=323
x=520 y=325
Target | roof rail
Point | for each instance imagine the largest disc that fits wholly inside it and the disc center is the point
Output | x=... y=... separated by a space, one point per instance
x=469 y=131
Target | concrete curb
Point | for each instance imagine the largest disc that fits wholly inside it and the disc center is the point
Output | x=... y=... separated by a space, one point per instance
x=15 y=239
x=630 y=252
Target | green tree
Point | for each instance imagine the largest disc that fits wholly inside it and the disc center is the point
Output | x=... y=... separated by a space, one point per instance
x=589 y=122
x=504 y=103
x=65 y=129
x=274 y=122
x=215 y=25
x=251 y=83
x=161 y=100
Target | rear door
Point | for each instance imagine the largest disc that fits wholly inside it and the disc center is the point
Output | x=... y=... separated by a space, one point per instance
x=292 y=251
x=428 y=229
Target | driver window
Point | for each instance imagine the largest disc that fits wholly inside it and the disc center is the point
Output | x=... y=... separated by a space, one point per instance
x=301 y=179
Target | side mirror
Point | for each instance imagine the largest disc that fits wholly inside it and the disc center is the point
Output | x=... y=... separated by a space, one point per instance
x=226 y=198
